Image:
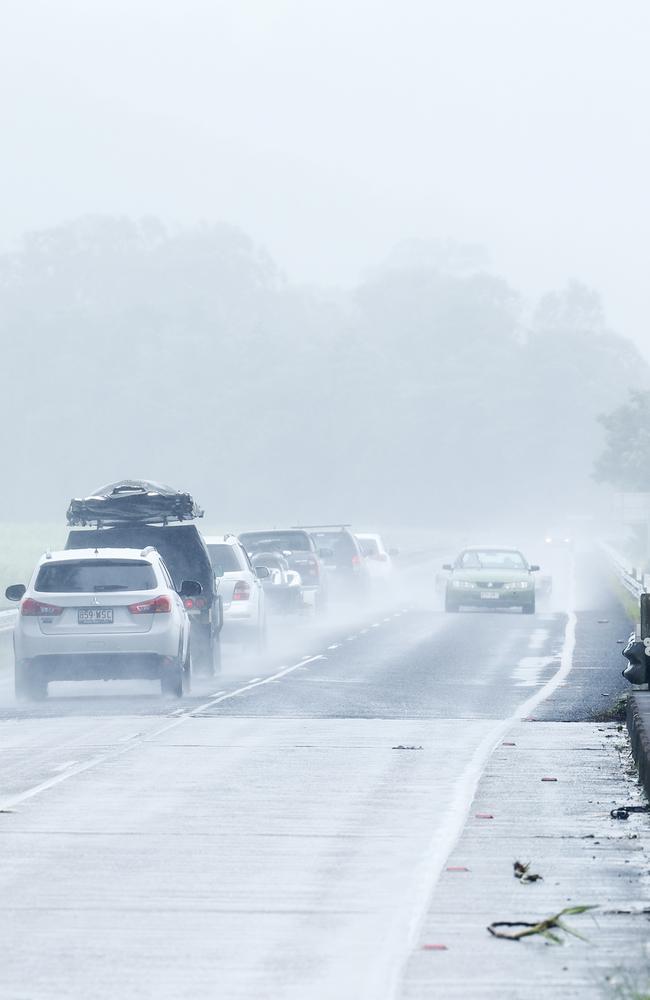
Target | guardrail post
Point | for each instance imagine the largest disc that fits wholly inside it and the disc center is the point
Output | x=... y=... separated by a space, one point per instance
x=644 y=603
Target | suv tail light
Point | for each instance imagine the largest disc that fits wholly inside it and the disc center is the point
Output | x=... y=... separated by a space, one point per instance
x=356 y=562
x=313 y=568
x=31 y=608
x=195 y=603
x=156 y=606
x=242 y=591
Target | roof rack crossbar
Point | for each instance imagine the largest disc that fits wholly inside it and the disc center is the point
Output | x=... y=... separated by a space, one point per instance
x=312 y=526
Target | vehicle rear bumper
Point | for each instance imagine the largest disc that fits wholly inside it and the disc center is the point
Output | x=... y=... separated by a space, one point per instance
x=507 y=599
x=125 y=644
x=98 y=666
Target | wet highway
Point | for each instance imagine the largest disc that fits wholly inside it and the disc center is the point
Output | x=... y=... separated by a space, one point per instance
x=275 y=833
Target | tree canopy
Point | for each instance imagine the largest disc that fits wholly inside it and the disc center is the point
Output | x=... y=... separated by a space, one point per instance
x=423 y=395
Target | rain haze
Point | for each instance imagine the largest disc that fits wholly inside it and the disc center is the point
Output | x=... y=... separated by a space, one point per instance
x=326 y=507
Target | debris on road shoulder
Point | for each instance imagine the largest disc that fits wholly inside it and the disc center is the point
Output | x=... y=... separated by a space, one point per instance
x=523 y=873
x=545 y=928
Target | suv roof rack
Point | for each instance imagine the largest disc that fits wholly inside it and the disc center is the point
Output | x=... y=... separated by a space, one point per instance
x=312 y=526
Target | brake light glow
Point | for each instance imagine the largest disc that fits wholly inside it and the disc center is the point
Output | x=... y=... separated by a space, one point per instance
x=313 y=568
x=33 y=608
x=195 y=603
x=156 y=606
x=242 y=591
x=356 y=562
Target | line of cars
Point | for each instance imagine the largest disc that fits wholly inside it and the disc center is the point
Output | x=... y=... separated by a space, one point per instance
x=139 y=592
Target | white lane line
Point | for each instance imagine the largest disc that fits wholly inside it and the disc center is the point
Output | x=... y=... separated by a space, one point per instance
x=375 y=625
x=363 y=631
x=140 y=738
x=351 y=638
x=254 y=680
x=335 y=645
x=64 y=767
x=457 y=809
x=387 y=619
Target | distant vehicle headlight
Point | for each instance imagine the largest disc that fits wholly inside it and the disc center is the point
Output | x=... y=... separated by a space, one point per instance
x=518 y=585
x=463 y=584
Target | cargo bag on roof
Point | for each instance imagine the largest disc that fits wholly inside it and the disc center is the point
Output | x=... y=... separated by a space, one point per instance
x=131 y=501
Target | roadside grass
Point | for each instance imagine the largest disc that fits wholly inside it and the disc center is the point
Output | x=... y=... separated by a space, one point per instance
x=20 y=546
x=616 y=712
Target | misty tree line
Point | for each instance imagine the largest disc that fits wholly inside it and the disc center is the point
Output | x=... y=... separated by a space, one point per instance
x=424 y=395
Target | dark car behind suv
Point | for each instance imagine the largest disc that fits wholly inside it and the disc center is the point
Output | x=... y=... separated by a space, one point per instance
x=123 y=514
x=343 y=559
x=302 y=554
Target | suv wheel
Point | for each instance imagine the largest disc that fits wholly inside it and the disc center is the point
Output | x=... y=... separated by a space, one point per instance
x=529 y=609
x=171 y=679
x=204 y=650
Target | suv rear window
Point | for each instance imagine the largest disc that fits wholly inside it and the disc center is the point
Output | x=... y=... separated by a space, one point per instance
x=369 y=546
x=341 y=542
x=88 y=576
x=279 y=541
x=225 y=557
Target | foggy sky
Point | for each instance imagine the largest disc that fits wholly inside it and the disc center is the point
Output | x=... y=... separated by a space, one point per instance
x=331 y=129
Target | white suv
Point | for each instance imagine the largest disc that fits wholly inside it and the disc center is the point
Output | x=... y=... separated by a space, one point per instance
x=101 y=614
x=240 y=588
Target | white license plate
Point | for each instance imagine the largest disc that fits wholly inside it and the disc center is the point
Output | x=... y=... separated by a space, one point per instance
x=489 y=596
x=95 y=616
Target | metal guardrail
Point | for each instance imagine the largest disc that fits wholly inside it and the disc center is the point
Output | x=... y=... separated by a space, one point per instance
x=634 y=581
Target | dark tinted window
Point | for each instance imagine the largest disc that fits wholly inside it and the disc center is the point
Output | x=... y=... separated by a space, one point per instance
x=280 y=541
x=369 y=546
x=94 y=576
x=224 y=557
x=341 y=543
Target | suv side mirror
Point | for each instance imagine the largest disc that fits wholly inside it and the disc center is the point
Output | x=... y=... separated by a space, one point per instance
x=533 y=569
x=190 y=588
x=15 y=592
x=447 y=566
x=262 y=572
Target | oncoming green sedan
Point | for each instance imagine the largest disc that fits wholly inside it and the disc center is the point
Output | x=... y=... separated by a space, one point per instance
x=490 y=577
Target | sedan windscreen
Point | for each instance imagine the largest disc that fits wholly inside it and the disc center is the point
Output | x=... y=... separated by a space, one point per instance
x=492 y=559
x=88 y=576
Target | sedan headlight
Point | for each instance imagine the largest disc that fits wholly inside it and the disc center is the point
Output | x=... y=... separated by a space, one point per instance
x=518 y=585
x=463 y=585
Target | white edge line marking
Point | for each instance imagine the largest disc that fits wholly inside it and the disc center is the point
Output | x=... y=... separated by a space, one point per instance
x=413 y=915
x=141 y=738
x=335 y=645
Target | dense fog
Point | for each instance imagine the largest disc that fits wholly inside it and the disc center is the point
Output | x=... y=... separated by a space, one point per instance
x=425 y=393
x=363 y=261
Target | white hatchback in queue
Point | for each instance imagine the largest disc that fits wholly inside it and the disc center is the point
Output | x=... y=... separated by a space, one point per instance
x=101 y=614
x=378 y=559
x=240 y=587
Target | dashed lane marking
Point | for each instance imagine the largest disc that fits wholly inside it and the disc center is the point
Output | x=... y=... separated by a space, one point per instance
x=141 y=738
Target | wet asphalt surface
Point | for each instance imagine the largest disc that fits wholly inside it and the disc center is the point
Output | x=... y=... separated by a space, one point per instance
x=275 y=832
x=401 y=657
